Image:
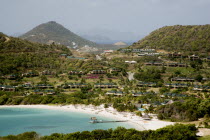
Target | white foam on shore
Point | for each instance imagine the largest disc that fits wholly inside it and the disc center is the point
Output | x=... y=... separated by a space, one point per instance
x=133 y=120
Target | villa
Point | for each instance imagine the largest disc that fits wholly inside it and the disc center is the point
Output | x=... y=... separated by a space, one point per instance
x=116 y=93
x=193 y=57
x=98 y=72
x=105 y=85
x=7 y=88
x=76 y=73
x=176 y=85
x=74 y=85
x=182 y=79
x=44 y=86
x=147 y=84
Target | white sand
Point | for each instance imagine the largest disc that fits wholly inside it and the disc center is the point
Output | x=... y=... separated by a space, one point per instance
x=135 y=121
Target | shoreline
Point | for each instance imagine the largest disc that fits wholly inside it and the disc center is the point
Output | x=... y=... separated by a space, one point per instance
x=133 y=120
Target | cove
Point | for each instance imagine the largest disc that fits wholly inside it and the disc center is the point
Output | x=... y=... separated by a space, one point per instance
x=14 y=121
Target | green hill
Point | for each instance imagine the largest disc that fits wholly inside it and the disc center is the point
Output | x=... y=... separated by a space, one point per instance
x=19 y=55
x=53 y=32
x=191 y=39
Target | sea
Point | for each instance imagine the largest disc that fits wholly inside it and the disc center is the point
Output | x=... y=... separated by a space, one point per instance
x=15 y=120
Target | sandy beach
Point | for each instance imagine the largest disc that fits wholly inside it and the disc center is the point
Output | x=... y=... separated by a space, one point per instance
x=136 y=121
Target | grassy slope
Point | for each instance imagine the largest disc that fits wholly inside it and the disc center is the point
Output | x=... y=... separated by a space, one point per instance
x=191 y=39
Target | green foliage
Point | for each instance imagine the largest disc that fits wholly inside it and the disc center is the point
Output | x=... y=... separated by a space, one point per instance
x=189 y=110
x=188 y=39
x=149 y=75
x=176 y=132
x=19 y=55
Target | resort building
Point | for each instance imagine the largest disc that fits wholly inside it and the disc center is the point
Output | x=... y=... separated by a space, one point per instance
x=111 y=70
x=76 y=73
x=174 y=95
x=44 y=86
x=105 y=85
x=74 y=85
x=108 y=51
x=176 y=85
x=137 y=94
x=98 y=72
x=30 y=74
x=148 y=54
x=154 y=64
x=11 y=77
x=201 y=88
x=147 y=84
x=194 y=57
x=175 y=55
x=47 y=72
x=131 y=62
x=7 y=88
x=63 y=55
x=182 y=79
x=116 y=93
x=208 y=58
x=44 y=92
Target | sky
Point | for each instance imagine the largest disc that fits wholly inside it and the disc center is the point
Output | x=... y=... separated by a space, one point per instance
x=112 y=19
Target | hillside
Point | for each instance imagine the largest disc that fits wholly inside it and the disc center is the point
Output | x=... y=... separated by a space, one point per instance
x=191 y=39
x=50 y=32
x=19 y=55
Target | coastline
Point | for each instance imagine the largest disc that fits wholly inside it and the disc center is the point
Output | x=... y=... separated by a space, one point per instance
x=135 y=121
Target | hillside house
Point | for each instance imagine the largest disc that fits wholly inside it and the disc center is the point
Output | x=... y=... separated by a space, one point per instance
x=182 y=65
x=137 y=94
x=201 y=88
x=105 y=85
x=154 y=64
x=11 y=77
x=112 y=70
x=98 y=72
x=173 y=95
x=208 y=58
x=27 y=86
x=176 y=85
x=44 y=86
x=175 y=55
x=172 y=64
x=63 y=55
x=182 y=79
x=30 y=74
x=47 y=72
x=147 y=84
x=74 y=85
x=108 y=51
x=194 y=57
x=76 y=73
x=148 y=54
x=7 y=88
x=116 y=93
x=79 y=58
x=131 y=62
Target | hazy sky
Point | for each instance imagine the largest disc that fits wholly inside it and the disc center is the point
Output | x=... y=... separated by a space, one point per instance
x=139 y=17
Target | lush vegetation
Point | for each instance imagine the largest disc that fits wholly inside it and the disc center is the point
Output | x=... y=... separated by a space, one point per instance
x=19 y=55
x=188 y=110
x=176 y=132
x=187 y=39
x=57 y=33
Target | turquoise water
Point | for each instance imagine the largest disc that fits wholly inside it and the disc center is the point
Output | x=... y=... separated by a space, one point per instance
x=45 y=121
